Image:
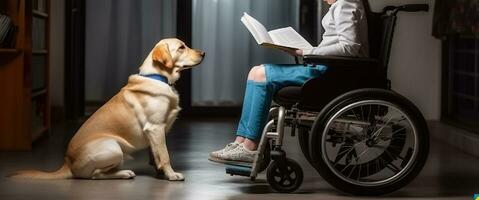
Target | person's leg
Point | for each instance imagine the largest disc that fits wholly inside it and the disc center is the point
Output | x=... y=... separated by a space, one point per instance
x=260 y=105
x=246 y=109
x=243 y=120
x=259 y=119
x=251 y=125
x=245 y=112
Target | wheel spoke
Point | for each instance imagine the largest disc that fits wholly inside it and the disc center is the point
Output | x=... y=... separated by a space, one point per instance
x=361 y=154
x=395 y=147
x=382 y=127
x=377 y=114
x=343 y=150
x=337 y=160
x=348 y=164
x=362 y=113
x=391 y=157
x=352 y=110
x=378 y=165
x=359 y=172
x=352 y=170
x=398 y=130
x=369 y=113
x=402 y=136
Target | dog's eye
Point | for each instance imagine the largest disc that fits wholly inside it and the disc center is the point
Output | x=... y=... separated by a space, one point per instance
x=182 y=47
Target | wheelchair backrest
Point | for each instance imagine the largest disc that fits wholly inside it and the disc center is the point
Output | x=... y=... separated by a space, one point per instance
x=380 y=32
x=381 y=29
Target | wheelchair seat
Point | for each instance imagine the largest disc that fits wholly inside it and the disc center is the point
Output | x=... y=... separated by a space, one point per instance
x=288 y=96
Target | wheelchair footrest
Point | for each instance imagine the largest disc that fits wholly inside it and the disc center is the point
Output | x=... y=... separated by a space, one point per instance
x=241 y=170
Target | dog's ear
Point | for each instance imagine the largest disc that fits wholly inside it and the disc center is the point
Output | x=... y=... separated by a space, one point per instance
x=161 y=54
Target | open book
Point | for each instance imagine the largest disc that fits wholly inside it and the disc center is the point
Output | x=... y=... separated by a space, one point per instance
x=282 y=38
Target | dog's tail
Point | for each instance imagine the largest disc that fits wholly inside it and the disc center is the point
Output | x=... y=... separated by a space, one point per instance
x=63 y=173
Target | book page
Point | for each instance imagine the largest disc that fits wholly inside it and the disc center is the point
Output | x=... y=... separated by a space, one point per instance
x=288 y=37
x=251 y=30
x=257 y=29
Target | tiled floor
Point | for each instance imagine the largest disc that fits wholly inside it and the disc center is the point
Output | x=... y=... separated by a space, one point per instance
x=448 y=174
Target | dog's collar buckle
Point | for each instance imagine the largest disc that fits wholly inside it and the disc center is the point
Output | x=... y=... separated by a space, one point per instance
x=158 y=77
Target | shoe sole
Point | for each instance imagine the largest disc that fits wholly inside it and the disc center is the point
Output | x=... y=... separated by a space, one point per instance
x=228 y=162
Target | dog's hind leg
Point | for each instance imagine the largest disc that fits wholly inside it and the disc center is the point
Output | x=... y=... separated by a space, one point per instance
x=101 y=160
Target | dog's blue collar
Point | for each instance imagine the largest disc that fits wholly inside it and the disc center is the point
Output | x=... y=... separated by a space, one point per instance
x=156 y=77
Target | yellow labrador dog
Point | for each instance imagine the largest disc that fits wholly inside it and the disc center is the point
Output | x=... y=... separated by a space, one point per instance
x=137 y=117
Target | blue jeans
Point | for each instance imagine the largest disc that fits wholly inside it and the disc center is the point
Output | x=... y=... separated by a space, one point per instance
x=257 y=98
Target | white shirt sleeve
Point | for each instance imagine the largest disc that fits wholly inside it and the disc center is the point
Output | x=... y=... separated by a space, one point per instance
x=346 y=18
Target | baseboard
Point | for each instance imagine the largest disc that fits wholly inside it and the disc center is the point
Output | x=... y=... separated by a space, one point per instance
x=462 y=139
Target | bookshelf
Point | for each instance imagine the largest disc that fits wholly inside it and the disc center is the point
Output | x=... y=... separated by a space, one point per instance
x=24 y=75
x=8 y=50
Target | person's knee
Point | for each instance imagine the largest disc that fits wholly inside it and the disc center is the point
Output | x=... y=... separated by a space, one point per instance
x=251 y=74
x=260 y=74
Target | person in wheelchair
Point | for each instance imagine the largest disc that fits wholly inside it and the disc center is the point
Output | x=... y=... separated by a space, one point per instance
x=346 y=34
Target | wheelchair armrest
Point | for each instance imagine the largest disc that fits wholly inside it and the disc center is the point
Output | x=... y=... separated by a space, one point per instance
x=340 y=61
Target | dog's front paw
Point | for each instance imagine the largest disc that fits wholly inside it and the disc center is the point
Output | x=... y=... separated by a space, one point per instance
x=175 y=177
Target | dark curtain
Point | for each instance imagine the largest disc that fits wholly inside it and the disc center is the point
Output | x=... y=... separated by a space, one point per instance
x=456 y=17
x=119 y=34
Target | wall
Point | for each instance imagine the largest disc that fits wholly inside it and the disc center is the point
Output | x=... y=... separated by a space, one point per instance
x=415 y=64
x=57 y=49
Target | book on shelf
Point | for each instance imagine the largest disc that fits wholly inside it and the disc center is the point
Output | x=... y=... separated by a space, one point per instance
x=8 y=32
x=11 y=37
x=282 y=38
x=38 y=33
x=5 y=24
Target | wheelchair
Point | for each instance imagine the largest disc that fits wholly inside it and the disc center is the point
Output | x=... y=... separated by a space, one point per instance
x=361 y=137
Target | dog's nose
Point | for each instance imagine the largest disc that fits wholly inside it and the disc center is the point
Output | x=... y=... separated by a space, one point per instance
x=202 y=53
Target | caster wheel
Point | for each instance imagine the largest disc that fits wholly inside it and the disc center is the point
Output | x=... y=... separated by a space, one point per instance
x=285 y=177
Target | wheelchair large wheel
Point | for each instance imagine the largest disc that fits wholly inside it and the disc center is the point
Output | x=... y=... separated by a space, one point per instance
x=369 y=142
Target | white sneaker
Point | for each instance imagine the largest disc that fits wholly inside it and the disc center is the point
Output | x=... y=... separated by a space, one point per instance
x=215 y=155
x=238 y=155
